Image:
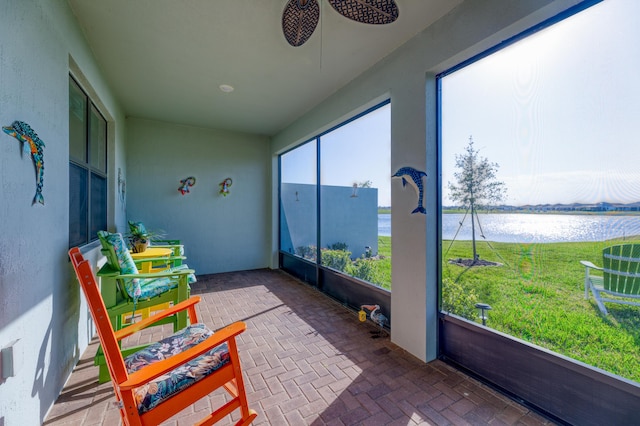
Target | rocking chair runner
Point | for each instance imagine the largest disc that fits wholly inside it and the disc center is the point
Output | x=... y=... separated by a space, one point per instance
x=164 y=378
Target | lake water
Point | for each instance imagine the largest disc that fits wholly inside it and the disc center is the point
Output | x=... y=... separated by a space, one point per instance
x=531 y=228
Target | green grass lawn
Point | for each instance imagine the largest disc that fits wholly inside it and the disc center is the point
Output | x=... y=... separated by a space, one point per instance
x=537 y=295
x=384 y=264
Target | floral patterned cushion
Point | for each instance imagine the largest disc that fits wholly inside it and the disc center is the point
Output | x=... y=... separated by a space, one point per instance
x=125 y=261
x=163 y=387
x=150 y=287
x=191 y=278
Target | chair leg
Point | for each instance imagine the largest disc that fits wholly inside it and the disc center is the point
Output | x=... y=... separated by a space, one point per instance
x=250 y=418
x=596 y=295
x=587 y=283
x=103 y=373
x=181 y=320
x=221 y=413
x=236 y=387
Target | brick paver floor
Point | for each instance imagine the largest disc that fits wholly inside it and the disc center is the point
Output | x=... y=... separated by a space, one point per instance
x=307 y=360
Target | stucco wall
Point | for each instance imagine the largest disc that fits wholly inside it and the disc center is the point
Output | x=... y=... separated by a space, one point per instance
x=40 y=302
x=407 y=77
x=344 y=218
x=220 y=234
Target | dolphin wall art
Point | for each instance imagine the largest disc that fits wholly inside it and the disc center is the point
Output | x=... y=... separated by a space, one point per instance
x=31 y=143
x=414 y=178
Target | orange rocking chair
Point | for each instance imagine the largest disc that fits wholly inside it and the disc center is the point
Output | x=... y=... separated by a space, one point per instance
x=162 y=379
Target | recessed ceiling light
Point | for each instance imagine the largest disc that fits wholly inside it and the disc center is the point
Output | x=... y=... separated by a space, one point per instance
x=226 y=88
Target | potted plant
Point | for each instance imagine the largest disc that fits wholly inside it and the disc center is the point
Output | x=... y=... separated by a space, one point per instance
x=139 y=236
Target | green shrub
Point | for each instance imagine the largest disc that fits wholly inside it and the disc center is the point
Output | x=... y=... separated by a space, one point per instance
x=366 y=269
x=338 y=246
x=336 y=259
x=307 y=252
x=459 y=299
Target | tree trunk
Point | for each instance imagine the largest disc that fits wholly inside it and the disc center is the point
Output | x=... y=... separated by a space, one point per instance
x=473 y=233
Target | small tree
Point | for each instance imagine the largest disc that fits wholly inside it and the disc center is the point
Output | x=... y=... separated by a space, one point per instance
x=476 y=185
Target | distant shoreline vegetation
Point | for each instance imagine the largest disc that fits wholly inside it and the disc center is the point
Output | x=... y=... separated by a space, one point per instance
x=575 y=208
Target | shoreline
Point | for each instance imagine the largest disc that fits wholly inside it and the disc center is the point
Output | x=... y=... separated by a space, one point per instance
x=547 y=212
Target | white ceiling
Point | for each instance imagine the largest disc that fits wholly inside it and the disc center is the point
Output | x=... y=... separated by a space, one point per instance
x=165 y=59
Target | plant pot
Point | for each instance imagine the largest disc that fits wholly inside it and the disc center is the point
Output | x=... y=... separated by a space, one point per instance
x=140 y=246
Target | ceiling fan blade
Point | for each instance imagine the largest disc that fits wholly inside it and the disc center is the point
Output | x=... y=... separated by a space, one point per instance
x=299 y=20
x=367 y=11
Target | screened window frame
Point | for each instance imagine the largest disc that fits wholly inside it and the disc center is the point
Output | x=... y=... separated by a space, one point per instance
x=527 y=369
x=88 y=221
x=318 y=141
x=583 y=5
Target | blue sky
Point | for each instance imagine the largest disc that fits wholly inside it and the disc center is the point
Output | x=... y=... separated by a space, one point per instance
x=357 y=152
x=558 y=111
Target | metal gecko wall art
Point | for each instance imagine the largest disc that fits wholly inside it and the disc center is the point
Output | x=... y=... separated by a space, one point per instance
x=185 y=184
x=225 y=186
x=31 y=143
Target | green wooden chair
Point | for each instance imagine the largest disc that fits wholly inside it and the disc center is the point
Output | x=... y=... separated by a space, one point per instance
x=620 y=280
x=126 y=291
x=137 y=229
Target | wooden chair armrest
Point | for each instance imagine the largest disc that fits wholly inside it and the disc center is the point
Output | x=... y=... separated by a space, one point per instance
x=167 y=244
x=163 y=259
x=159 y=368
x=588 y=264
x=163 y=242
x=137 y=326
x=163 y=245
x=160 y=274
